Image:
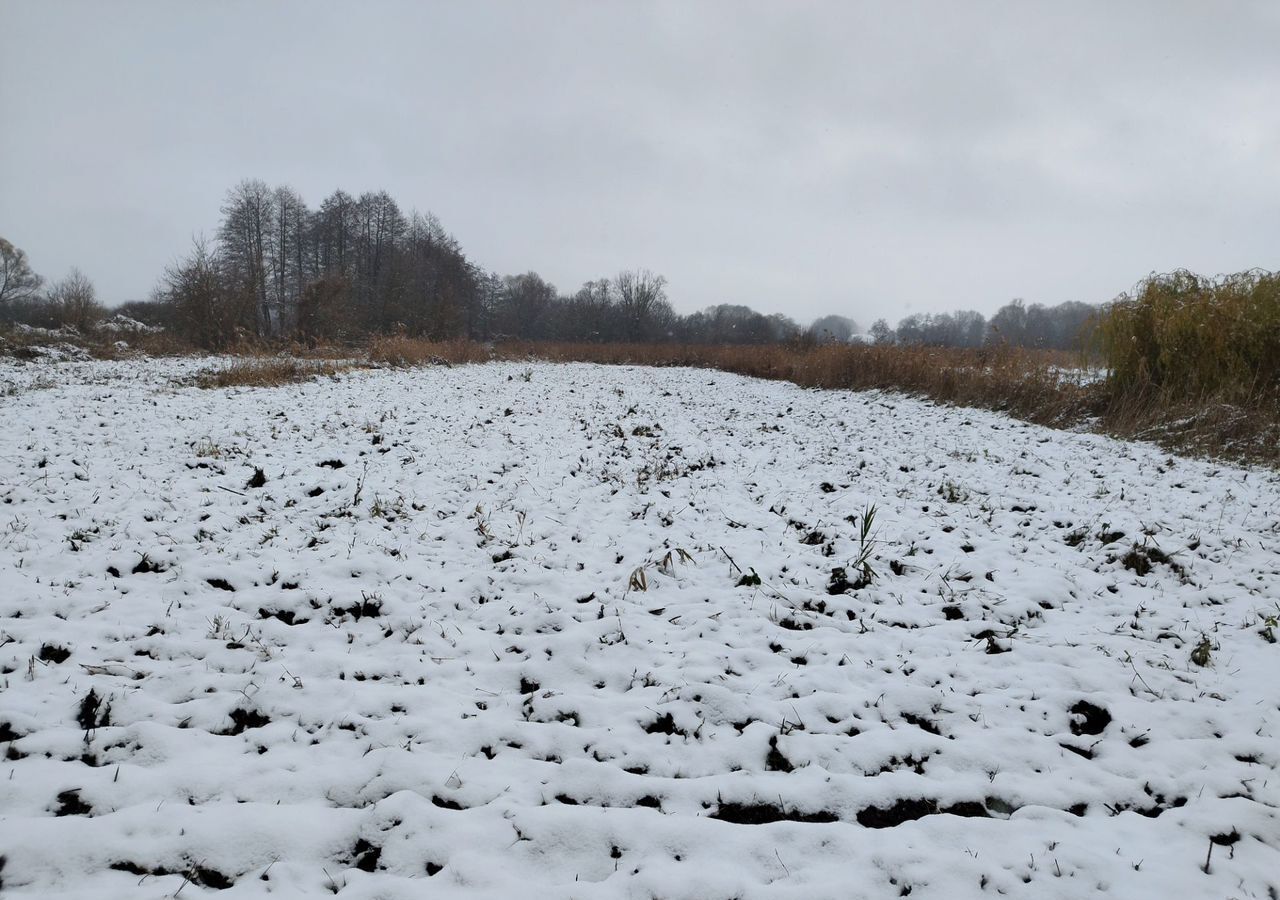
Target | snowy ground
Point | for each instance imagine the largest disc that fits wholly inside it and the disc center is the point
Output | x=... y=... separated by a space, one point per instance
x=493 y=631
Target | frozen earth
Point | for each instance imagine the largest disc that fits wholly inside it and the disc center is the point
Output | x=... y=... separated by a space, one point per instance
x=578 y=631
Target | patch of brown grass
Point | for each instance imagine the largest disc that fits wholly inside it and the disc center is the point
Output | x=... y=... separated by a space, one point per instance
x=266 y=371
x=399 y=350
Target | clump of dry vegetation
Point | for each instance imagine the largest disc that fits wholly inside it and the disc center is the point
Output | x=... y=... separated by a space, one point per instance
x=1195 y=362
x=1185 y=335
x=400 y=350
x=266 y=372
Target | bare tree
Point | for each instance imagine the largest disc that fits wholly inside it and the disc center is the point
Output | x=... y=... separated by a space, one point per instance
x=286 y=252
x=247 y=218
x=642 y=302
x=379 y=225
x=72 y=301
x=17 y=282
x=206 y=305
x=334 y=234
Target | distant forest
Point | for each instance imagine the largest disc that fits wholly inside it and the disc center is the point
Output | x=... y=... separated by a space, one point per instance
x=359 y=266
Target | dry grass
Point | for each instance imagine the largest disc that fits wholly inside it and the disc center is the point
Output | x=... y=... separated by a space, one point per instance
x=266 y=372
x=1194 y=337
x=1195 y=363
x=1034 y=385
x=1209 y=425
x=398 y=350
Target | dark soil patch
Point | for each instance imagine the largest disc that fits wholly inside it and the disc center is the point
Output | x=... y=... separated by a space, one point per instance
x=258 y=479
x=908 y=810
x=1093 y=719
x=201 y=876
x=365 y=856
x=221 y=584
x=134 y=869
x=70 y=804
x=92 y=713
x=664 y=724
x=766 y=813
x=922 y=723
x=146 y=566
x=794 y=625
x=54 y=654
x=244 y=719
x=365 y=608
x=287 y=616
x=1152 y=811
x=774 y=761
x=894 y=763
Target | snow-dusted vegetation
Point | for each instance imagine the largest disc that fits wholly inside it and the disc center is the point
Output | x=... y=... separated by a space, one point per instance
x=582 y=631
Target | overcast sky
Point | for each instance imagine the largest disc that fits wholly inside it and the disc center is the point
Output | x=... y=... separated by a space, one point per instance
x=868 y=159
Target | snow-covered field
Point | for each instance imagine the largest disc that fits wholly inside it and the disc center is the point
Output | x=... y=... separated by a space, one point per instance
x=496 y=631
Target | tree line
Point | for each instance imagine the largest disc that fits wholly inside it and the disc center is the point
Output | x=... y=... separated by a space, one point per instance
x=359 y=265
x=1062 y=327
x=276 y=269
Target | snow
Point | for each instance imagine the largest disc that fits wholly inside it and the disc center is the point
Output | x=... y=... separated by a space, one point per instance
x=481 y=632
x=122 y=323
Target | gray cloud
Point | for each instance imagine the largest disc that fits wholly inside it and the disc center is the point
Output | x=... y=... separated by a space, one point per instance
x=868 y=159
